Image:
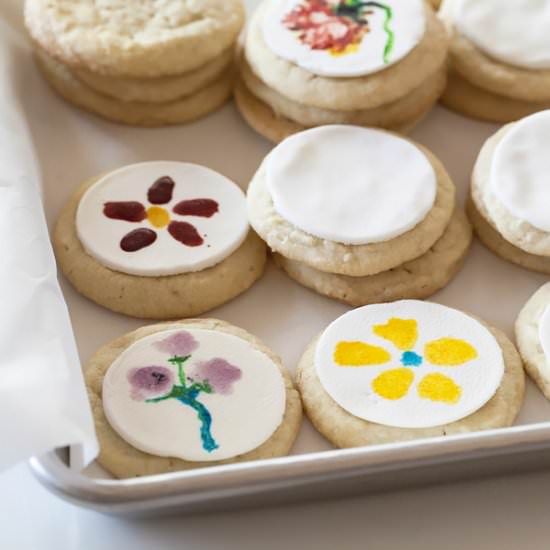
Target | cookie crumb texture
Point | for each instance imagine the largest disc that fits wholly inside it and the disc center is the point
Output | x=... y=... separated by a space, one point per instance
x=134 y=38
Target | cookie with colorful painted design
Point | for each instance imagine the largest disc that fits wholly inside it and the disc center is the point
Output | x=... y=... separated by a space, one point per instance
x=306 y=60
x=159 y=240
x=395 y=372
x=499 y=58
x=347 y=220
x=189 y=394
x=509 y=194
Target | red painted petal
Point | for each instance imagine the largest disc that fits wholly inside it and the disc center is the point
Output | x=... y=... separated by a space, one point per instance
x=185 y=233
x=205 y=208
x=161 y=191
x=130 y=211
x=138 y=239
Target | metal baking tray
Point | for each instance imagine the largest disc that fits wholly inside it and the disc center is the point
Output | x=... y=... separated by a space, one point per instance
x=284 y=315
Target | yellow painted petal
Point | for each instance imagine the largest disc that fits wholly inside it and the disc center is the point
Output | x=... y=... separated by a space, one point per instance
x=157 y=216
x=393 y=384
x=401 y=332
x=438 y=387
x=359 y=354
x=449 y=352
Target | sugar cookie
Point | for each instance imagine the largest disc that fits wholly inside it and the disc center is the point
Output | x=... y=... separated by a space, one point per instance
x=159 y=240
x=199 y=405
x=396 y=372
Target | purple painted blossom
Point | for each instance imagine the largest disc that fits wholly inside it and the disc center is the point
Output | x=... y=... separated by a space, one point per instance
x=179 y=344
x=220 y=374
x=147 y=382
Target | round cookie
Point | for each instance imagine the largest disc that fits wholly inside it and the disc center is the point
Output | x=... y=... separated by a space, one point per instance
x=334 y=255
x=491 y=238
x=275 y=116
x=183 y=110
x=498 y=70
x=416 y=279
x=219 y=394
x=157 y=90
x=173 y=281
x=466 y=98
x=508 y=187
x=398 y=402
x=532 y=338
x=346 y=94
x=136 y=38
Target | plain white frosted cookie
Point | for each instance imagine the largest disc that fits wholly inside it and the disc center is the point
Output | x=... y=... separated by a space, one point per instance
x=416 y=233
x=514 y=229
x=532 y=338
x=134 y=38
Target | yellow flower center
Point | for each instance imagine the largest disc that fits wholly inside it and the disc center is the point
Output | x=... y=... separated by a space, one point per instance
x=158 y=217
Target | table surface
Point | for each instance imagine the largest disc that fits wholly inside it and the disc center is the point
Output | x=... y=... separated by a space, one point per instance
x=506 y=513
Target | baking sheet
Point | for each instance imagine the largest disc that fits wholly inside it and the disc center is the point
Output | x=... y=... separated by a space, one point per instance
x=73 y=146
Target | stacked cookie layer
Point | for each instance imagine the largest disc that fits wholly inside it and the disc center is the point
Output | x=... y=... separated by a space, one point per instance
x=509 y=198
x=346 y=220
x=308 y=63
x=138 y=62
x=499 y=71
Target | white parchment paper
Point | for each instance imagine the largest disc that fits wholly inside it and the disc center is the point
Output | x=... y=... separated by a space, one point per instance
x=43 y=403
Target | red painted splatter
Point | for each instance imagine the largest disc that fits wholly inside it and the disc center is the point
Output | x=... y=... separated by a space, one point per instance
x=138 y=239
x=205 y=208
x=185 y=233
x=161 y=191
x=129 y=211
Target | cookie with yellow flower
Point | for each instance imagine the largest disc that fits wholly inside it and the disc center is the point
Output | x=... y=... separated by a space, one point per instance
x=499 y=58
x=407 y=370
x=360 y=215
x=159 y=240
x=306 y=63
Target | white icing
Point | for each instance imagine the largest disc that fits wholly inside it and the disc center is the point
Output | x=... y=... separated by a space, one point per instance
x=241 y=420
x=223 y=233
x=520 y=170
x=408 y=24
x=350 y=185
x=544 y=335
x=351 y=387
x=514 y=31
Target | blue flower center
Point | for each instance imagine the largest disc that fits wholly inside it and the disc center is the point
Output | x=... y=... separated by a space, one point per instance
x=411 y=359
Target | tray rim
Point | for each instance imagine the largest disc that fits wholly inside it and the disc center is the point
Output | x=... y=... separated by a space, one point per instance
x=193 y=488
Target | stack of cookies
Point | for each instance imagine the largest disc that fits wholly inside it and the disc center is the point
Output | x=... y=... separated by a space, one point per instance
x=308 y=63
x=499 y=58
x=359 y=215
x=138 y=62
x=509 y=198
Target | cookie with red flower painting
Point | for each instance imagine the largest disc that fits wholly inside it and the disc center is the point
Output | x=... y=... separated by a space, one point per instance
x=159 y=240
x=189 y=394
x=312 y=62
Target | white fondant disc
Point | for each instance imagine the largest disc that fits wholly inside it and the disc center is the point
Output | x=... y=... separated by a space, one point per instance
x=520 y=172
x=514 y=32
x=245 y=409
x=222 y=232
x=353 y=387
x=336 y=38
x=350 y=185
